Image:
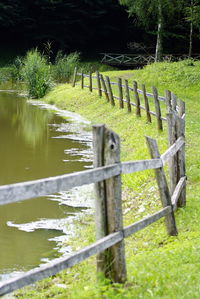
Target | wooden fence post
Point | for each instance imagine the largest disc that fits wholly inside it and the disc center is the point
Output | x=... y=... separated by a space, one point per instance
x=82 y=79
x=108 y=204
x=127 y=95
x=181 y=108
x=163 y=188
x=98 y=84
x=90 y=81
x=74 y=77
x=157 y=107
x=168 y=101
x=181 y=161
x=104 y=87
x=120 y=90
x=137 y=99
x=173 y=101
x=172 y=137
x=146 y=104
x=110 y=91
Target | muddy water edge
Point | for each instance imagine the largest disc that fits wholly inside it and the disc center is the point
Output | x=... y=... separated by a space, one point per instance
x=37 y=141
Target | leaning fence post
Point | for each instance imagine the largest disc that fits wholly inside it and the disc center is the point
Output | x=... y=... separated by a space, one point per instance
x=127 y=95
x=168 y=100
x=74 y=78
x=104 y=87
x=120 y=90
x=181 y=160
x=163 y=188
x=146 y=103
x=137 y=99
x=110 y=91
x=98 y=84
x=181 y=108
x=109 y=204
x=157 y=107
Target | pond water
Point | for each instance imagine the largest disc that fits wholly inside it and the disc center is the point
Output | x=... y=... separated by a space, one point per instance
x=35 y=143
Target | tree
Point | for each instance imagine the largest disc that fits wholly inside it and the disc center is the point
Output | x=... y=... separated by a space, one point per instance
x=153 y=12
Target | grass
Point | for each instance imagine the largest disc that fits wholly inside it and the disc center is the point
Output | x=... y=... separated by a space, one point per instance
x=158 y=266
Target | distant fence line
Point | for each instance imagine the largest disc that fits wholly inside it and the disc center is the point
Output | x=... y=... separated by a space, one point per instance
x=106 y=175
x=104 y=85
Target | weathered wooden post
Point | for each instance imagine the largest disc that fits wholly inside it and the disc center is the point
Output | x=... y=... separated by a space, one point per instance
x=137 y=99
x=74 y=77
x=157 y=107
x=168 y=101
x=98 y=84
x=108 y=204
x=120 y=91
x=163 y=188
x=172 y=137
x=104 y=87
x=173 y=101
x=90 y=81
x=146 y=103
x=110 y=93
x=127 y=96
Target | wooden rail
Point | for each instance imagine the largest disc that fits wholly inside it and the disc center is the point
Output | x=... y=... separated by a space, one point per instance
x=132 y=96
x=110 y=232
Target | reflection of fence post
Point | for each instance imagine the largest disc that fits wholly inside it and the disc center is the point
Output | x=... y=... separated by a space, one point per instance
x=157 y=107
x=120 y=90
x=137 y=99
x=74 y=78
x=146 y=103
x=98 y=84
x=108 y=204
x=163 y=188
x=127 y=95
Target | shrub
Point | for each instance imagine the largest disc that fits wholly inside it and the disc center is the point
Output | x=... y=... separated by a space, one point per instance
x=36 y=73
x=64 y=66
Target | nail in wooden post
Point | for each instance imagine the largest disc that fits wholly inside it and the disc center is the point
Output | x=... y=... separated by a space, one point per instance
x=127 y=95
x=99 y=84
x=172 y=137
x=146 y=103
x=90 y=81
x=82 y=79
x=104 y=87
x=157 y=107
x=137 y=99
x=181 y=160
x=120 y=90
x=108 y=204
x=163 y=188
x=168 y=101
x=74 y=78
x=109 y=88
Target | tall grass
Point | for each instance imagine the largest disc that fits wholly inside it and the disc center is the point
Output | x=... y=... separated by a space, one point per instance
x=36 y=73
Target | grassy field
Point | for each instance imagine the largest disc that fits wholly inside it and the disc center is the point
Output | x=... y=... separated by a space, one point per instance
x=158 y=266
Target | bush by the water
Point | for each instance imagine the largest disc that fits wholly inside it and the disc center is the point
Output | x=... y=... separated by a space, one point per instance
x=36 y=74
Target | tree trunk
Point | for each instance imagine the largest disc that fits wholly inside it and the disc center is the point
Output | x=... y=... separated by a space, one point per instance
x=191 y=29
x=159 y=47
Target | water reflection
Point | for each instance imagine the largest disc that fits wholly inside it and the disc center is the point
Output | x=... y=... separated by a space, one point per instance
x=37 y=143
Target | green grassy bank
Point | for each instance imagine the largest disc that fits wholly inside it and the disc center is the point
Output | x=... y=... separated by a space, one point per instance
x=158 y=266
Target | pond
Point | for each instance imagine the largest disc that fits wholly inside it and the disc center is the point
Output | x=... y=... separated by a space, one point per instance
x=38 y=141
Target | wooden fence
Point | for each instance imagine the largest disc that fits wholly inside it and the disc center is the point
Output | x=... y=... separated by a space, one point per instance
x=131 y=96
x=106 y=175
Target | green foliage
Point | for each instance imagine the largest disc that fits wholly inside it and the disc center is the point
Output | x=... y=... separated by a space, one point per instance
x=64 y=66
x=36 y=73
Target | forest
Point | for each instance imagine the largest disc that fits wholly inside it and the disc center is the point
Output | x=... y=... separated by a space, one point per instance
x=92 y=27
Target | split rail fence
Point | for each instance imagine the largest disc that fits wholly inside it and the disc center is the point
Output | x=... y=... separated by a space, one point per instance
x=131 y=96
x=106 y=175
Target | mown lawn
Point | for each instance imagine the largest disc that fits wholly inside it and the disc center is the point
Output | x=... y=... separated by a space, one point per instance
x=158 y=266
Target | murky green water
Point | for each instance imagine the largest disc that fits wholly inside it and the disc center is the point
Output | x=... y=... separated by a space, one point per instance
x=37 y=143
